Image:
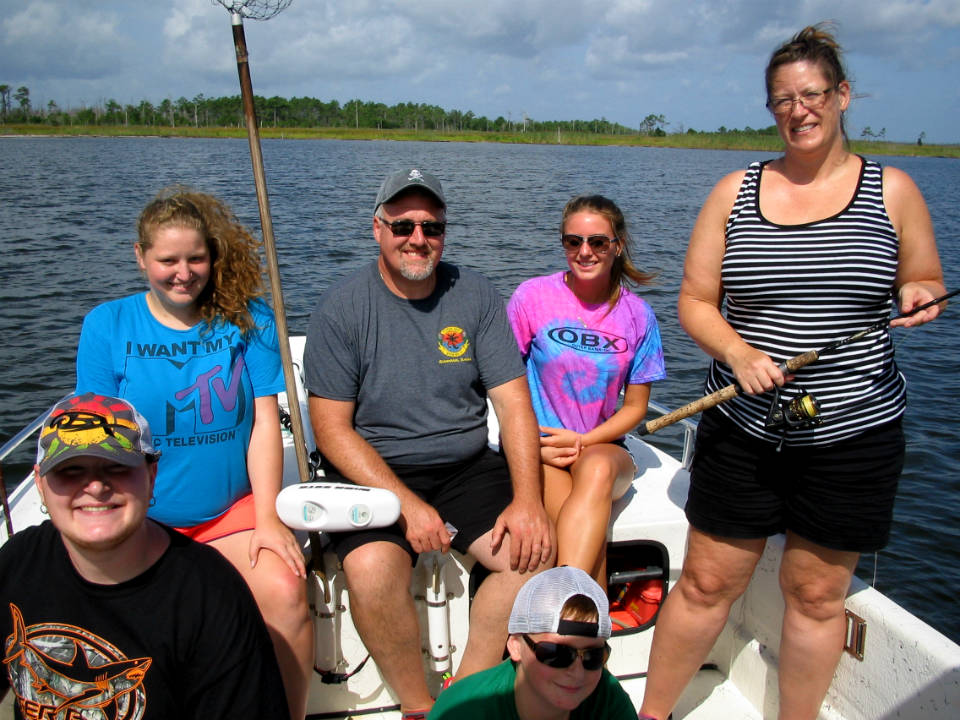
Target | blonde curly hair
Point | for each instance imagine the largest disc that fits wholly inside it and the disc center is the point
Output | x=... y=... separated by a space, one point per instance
x=236 y=277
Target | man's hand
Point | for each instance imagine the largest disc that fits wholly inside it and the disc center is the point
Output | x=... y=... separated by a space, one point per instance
x=422 y=525
x=532 y=537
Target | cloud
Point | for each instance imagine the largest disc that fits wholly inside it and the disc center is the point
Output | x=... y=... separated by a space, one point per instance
x=611 y=56
x=195 y=39
x=50 y=39
x=505 y=27
x=699 y=62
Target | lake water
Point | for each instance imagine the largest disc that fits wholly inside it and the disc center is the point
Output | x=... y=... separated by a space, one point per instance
x=68 y=208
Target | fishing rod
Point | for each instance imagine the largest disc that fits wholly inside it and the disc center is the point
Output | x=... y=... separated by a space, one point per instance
x=807 y=405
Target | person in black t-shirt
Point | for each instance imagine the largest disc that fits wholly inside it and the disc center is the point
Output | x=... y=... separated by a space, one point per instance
x=104 y=613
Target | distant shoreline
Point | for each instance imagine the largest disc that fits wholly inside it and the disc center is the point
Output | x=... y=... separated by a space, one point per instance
x=736 y=140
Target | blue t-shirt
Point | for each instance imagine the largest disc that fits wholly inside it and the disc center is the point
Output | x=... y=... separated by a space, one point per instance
x=195 y=387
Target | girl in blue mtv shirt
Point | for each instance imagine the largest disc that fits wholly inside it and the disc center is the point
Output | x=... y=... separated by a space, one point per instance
x=198 y=355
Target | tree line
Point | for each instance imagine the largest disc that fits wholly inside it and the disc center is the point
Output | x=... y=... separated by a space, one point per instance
x=307 y=112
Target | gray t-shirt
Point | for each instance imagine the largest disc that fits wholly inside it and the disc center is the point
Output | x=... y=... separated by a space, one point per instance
x=418 y=370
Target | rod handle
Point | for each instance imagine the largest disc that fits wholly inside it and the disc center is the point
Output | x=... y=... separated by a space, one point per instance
x=799 y=361
x=691 y=408
x=720 y=396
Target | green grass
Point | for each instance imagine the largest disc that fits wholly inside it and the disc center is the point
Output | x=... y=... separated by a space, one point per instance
x=698 y=141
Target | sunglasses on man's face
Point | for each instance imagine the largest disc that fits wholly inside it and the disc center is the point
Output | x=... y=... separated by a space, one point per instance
x=403 y=228
x=557 y=655
x=600 y=244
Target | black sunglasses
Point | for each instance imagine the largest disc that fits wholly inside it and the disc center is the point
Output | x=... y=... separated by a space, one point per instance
x=600 y=244
x=403 y=228
x=560 y=656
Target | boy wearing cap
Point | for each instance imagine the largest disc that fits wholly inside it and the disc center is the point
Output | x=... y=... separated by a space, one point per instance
x=400 y=359
x=558 y=630
x=105 y=614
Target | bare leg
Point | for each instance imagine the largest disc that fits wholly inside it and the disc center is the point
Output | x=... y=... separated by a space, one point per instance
x=282 y=599
x=491 y=606
x=601 y=474
x=814 y=580
x=715 y=573
x=378 y=579
x=557 y=485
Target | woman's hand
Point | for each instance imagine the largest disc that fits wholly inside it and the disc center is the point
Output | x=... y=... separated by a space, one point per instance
x=755 y=372
x=276 y=537
x=559 y=447
x=911 y=295
x=558 y=457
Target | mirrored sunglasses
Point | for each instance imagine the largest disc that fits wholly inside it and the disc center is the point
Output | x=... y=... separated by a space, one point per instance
x=557 y=655
x=403 y=228
x=600 y=244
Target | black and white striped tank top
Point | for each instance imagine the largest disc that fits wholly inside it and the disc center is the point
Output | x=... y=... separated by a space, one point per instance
x=793 y=288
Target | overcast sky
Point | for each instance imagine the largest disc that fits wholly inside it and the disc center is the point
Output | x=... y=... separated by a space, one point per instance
x=698 y=62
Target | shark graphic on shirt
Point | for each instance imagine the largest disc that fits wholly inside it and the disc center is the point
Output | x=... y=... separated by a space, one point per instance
x=57 y=678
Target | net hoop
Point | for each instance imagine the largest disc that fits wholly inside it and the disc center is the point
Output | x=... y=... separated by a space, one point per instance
x=254 y=9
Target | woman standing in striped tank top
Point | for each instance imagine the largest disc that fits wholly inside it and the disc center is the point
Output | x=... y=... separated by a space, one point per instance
x=805 y=250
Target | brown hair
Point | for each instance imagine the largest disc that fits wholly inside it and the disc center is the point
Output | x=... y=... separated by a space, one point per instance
x=624 y=271
x=580 y=608
x=815 y=44
x=235 y=275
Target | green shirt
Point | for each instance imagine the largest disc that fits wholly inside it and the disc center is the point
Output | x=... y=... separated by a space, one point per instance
x=489 y=694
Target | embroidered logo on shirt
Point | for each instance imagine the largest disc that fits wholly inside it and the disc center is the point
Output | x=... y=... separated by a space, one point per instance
x=592 y=341
x=453 y=342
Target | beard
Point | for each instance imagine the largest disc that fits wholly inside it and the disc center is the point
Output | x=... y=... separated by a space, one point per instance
x=417 y=271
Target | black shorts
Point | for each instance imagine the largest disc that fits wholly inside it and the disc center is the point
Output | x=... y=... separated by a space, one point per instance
x=839 y=496
x=468 y=495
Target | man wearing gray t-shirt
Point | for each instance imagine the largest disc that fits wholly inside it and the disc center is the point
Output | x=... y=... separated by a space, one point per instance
x=401 y=357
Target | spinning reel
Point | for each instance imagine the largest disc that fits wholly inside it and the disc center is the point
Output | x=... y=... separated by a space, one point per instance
x=802 y=411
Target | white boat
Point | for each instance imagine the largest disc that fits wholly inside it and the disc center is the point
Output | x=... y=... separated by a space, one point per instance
x=896 y=666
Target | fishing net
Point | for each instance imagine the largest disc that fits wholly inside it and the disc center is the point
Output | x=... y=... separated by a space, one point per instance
x=254 y=9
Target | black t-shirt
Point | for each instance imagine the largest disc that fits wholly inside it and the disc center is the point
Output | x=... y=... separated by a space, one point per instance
x=182 y=640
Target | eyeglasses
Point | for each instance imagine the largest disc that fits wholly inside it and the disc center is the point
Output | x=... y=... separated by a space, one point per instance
x=403 y=228
x=600 y=244
x=811 y=100
x=557 y=655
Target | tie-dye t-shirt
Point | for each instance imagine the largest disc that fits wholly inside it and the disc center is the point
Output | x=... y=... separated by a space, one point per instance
x=580 y=356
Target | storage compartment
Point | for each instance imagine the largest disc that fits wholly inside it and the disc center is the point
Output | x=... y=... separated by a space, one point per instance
x=636 y=584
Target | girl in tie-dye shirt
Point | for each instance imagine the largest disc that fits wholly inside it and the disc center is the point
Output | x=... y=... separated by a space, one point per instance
x=585 y=337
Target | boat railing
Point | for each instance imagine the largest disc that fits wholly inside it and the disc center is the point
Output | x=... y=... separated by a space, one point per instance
x=8 y=447
x=29 y=429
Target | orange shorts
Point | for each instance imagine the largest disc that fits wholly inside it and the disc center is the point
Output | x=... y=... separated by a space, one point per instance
x=239 y=517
